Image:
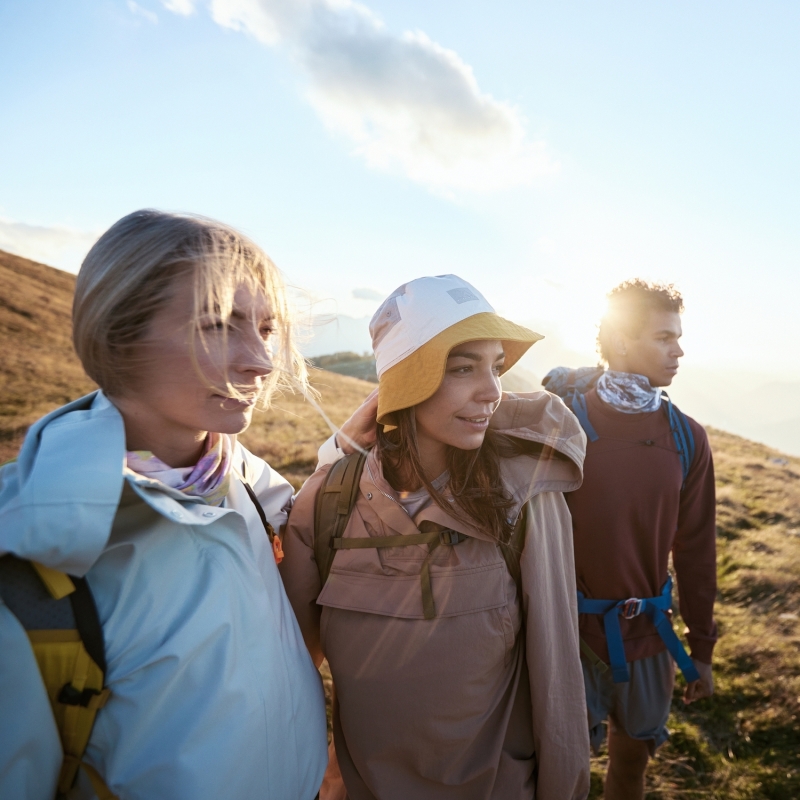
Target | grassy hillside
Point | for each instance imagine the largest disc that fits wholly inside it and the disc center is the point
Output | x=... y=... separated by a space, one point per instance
x=348 y=363
x=38 y=369
x=743 y=744
x=289 y=434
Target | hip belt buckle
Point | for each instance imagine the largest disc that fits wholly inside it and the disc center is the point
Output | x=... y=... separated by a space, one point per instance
x=632 y=607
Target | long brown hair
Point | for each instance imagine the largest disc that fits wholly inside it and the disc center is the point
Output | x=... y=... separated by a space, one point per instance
x=475 y=482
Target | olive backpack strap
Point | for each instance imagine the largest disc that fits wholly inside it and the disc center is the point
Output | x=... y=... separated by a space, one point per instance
x=59 y=615
x=512 y=552
x=430 y=533
x=333 y=506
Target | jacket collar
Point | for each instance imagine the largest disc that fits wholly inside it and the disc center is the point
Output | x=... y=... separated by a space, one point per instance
x=383 y=509
x=59 y=501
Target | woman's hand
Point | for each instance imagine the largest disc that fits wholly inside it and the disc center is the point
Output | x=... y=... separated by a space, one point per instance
x=361 y=430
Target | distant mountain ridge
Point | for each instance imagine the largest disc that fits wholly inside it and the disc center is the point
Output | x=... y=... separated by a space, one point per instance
x=348 y=363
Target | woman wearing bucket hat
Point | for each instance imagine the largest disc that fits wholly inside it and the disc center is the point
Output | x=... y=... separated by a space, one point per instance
x=448 y=614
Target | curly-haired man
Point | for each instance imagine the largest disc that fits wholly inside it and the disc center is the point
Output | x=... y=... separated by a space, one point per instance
x=640 y=502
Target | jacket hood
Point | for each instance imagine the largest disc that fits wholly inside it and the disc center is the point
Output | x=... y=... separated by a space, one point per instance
x=59 y=499
x=542 y=419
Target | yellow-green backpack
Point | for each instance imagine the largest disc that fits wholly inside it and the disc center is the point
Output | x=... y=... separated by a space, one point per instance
x=60 y=617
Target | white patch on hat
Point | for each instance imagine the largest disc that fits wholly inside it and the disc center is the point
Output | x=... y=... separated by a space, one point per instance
x=461 y=295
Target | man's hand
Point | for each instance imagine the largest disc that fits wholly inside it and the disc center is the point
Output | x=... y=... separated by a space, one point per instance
x=697 y=690
x=361 y=430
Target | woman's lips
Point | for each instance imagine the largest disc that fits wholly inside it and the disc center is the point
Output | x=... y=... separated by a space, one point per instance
x=477 y=423
x=235 y=403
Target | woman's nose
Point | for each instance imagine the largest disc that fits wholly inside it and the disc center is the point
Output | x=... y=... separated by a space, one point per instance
x=490 y=390
x=255 y=356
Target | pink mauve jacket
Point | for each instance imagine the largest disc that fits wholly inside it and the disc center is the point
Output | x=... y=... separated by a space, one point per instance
x=467 y=705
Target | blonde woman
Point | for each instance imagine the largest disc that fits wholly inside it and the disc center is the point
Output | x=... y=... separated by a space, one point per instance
x=452 y=679
x=142 y=488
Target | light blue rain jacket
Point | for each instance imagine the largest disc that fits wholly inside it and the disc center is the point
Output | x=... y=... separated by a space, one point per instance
x=213 y=693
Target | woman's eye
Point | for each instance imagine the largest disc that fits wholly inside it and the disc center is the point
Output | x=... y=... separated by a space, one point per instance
x=266 y=332
x=213 y=325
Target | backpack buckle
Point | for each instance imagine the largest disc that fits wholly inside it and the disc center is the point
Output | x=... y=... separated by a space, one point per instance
x=632 y=607
x=450 y=537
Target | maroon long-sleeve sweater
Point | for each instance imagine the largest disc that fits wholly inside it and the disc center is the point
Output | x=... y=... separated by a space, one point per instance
x=630 y=513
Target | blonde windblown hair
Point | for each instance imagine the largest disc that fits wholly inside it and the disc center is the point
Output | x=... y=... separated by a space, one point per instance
x=125 y=279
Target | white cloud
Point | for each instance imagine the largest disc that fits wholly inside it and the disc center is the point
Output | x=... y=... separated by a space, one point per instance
x=409 y=105
x=57 y=246
x=182 y=7
x=138 y=11
x=364 y=293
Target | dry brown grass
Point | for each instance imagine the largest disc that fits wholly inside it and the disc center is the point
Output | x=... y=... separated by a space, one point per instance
x=38 y=368
x=288 y=435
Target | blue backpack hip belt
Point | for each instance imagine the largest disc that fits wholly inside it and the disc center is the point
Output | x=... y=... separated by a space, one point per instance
x=654 y=608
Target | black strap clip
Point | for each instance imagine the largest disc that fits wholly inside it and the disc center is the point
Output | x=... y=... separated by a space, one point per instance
x=70 y=696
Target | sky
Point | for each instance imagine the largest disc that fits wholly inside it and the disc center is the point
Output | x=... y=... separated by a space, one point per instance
x=543 y=151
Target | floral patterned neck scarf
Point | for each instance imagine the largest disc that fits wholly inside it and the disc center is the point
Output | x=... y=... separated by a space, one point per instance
x=210 y=478
x=628 y=392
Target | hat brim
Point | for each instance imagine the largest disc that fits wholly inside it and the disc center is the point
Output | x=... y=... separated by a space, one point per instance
x=417 y=377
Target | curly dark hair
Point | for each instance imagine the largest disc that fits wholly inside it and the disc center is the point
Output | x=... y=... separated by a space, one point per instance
x=629 y=305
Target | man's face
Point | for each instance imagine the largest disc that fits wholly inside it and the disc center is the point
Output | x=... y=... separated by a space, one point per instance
x=654 y=353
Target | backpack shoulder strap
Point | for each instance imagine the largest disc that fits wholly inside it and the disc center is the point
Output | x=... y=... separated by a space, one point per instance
x=512 y=549
x=60 y=617
x=512 y=553
x=333 y=506
x=274 y=539
x=682 y=434
x=576 y=401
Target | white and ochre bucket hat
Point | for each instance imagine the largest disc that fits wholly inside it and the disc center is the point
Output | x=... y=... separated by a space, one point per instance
x=419 y=324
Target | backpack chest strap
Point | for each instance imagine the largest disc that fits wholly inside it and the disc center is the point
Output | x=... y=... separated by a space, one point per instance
x=430 y=533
